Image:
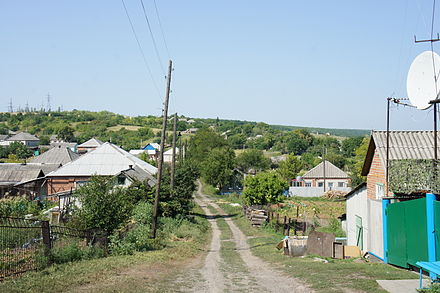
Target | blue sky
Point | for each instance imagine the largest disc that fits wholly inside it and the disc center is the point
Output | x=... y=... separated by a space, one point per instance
x=308 y=63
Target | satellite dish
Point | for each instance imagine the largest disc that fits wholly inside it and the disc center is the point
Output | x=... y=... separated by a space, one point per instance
x=420 y=84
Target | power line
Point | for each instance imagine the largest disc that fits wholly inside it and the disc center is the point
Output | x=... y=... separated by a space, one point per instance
x=161 y=29
x=152 y=38
x=432 y=47
x=140 y=49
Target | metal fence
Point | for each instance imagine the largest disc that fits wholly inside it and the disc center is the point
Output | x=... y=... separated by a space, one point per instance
x=23 y=241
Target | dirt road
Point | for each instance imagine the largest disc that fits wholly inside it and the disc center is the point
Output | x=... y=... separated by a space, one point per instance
x=229 y=265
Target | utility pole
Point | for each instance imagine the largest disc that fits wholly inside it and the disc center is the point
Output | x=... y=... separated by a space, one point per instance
x=173 y=161
x=162 y=146
x=10 y=108
x=48 y=102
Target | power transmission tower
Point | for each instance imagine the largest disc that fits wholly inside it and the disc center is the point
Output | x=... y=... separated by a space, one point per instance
x=10 y=108
x=173 y=161
x=48 y=102
x=162 y=146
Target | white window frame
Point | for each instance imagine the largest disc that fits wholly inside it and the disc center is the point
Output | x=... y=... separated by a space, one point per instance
x=380 y=190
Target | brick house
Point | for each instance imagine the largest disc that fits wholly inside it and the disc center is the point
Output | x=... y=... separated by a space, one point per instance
x=403 y=145
x=106 y=160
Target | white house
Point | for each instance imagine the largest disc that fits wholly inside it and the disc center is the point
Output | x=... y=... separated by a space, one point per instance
x=168 y=155
x=25 y=138
x=364 y=221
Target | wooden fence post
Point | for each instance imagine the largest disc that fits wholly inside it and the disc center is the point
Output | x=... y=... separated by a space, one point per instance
x=288 y=228
x=45 y=231
x=284 y=225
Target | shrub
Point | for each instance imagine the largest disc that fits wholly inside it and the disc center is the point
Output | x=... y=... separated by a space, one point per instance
x=264 y=188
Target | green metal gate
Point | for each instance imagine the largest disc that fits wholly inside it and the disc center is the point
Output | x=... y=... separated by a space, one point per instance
x=407 y=232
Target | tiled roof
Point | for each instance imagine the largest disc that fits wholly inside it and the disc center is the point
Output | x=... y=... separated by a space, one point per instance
x=56 y=155
x=23 y=136
x=403 y=145
x=106 y=160
x=331 y=171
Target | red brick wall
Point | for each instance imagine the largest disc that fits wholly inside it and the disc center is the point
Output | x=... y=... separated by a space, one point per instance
x=376 y=175
x=58 y=184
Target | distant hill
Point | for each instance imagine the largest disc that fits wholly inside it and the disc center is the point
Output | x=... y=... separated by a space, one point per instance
x=331 y=131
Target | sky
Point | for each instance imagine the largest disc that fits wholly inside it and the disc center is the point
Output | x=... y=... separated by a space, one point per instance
x=305 y=63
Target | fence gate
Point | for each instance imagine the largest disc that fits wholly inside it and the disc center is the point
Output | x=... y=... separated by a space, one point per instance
x=407 y=232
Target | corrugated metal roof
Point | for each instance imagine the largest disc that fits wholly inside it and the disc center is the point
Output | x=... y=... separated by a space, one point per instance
x=23 y=136
x=63 y=144
x=106 y=160
x=405 y=145
x=14 y=172
x=93 y=142
x=331 y=171
x=57 y=155
x=139 y=174
x=3 y=137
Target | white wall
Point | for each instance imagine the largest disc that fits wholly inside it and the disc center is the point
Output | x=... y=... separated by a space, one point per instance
x=375 y=244
x=357 y=205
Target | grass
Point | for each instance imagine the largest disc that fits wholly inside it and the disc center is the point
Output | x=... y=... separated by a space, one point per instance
x=128 y=127
x=101 y=272
x=334 y=276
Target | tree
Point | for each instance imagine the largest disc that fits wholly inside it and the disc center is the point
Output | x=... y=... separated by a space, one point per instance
x=350 y=145
x=20 y=150
x=252 y=160
x=103 y=206
x=217 y=169
x=202 y=143
x=264 y=188
x=65 y=133
x=357 y=163
x=289 y=168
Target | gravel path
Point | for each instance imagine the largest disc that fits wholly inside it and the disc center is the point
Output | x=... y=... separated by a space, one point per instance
x=246 y=274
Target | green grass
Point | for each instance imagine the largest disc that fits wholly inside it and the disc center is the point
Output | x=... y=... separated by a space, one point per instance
x=71 y=276
x=334 y=276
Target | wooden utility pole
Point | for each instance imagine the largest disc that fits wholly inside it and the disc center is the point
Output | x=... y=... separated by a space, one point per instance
x=160 y=162
x=173 y=161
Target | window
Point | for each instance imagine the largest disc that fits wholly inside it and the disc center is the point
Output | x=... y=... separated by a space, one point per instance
x=121 y=180
x=320 y=184
x=380 y=190
x=308 y=184
x=340 y=184
x=330 y=184
x=80 y=183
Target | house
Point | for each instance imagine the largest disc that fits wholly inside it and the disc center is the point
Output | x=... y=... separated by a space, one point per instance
x=127 y=177
x=152 y=149
x=57 y=155
x=168 y=155
x=137 y=153
x=73 y=146
x=311 y=184
x=25 y=138
x=89 y=145
x=367 y=203
x=3 y=137
x=191 y=130
x=364 y=221
x=23 y=179
x=106 y=160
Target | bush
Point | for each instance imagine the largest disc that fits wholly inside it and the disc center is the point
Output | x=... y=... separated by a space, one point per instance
x=264 y=188
x=19 y=207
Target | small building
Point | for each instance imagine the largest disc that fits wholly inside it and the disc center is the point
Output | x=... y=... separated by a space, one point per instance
x=57 y=155
x=106 y=160
x=29 y=140
x=191 y=130
x=127 y=177
x=23 y=179
x=89 y=145
x=168 y=155
x=152 y=150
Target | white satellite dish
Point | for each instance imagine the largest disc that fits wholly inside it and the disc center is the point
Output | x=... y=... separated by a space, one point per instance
x=420 y=84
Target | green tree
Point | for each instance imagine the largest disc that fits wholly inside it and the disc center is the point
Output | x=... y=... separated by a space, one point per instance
x=103 y=206
x=217 y=169
x=20 y=150
x=65 y=133
x=350 y=145
x=357 y=163
x=252 y=160
x=289 y=168
x=264 y=188
x=202 y=143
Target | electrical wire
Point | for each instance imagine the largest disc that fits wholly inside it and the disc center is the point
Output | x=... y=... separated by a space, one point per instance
x=152 y=38
x=141 y=50
x=432 y=46
x=161 y=29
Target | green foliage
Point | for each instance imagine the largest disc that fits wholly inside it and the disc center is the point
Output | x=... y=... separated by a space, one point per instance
x=103 y=206
x=333 y=227
x=201 y=145
x=44 y=140
x=19 y=207
x=217 y=169
x=408 y=176
x=356 y=164
x=264 y=188
x=20 y=150
x=350 y=145
x=65 y=133
x=434 y=288
x=252 y=160
x=75 y=252
x=289 y=168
